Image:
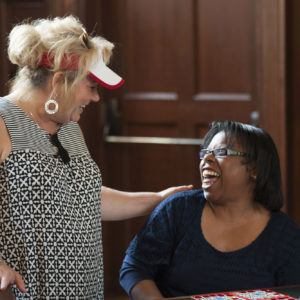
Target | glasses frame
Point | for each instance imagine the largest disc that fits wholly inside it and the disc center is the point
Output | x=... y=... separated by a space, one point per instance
x=229 y=152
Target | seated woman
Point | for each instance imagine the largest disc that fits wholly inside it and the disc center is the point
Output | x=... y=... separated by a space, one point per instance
x=230 y=235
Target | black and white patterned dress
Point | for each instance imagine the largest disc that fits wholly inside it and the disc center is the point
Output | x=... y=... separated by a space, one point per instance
x=50 y=222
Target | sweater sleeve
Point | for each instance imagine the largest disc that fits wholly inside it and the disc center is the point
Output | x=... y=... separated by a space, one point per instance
x=151 y=249
x=289 y=273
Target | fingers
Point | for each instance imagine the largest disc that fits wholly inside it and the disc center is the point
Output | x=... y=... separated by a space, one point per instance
x=5 y=281
x=9 y=276
x=186 y=187
x=175 y=189
x=19 y=282
x=181 y=188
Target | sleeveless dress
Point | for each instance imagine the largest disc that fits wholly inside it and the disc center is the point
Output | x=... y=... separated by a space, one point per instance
x=50 y=222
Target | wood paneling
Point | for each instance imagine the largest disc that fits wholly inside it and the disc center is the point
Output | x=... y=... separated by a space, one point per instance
x=187 y=63
x=226 y=35
x=293 y=106
x=12 y=12
x=153 y=40
x=270 y=76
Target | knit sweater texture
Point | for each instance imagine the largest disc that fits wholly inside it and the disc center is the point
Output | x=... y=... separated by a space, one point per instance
x=171 y=250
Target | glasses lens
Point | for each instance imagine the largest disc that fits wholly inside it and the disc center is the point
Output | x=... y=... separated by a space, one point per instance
x=202 y=153
x=220 y=152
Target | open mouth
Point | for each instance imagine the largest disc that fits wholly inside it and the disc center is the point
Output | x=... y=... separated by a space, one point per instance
x=209 y=177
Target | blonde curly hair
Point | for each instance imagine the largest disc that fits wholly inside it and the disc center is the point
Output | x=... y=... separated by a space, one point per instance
x=27 y=42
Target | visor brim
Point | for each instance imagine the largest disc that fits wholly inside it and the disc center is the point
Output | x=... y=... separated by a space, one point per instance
x=104 y=75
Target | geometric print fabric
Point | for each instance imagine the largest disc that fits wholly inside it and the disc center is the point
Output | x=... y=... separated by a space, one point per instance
x=50 y=221
x=50 y=225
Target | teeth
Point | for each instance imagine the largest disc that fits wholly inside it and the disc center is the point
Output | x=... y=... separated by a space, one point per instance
x=82 y=106
x=207 y=173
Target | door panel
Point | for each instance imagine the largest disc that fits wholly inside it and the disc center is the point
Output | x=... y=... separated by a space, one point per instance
x=186 y=63
x=224 y=45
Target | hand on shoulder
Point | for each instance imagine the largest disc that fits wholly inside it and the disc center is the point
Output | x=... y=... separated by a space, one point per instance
x=173 y=190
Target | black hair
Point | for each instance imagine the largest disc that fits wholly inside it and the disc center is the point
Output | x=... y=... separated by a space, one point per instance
x=262 y=152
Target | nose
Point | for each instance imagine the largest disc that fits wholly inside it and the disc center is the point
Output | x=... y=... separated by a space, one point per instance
x=207 y=157
x=96 y=97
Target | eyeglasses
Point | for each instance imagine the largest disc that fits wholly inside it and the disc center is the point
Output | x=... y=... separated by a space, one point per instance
x=221 y=153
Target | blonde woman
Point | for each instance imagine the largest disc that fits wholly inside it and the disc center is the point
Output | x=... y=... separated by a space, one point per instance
x=50 y=220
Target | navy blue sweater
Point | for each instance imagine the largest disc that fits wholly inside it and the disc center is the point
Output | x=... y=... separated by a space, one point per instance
x=171 y=250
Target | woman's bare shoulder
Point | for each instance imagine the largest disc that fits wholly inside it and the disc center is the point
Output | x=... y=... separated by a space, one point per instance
x=5 y=145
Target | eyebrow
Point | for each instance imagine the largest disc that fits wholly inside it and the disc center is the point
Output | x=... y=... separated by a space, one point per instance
x=218 y=147
x=91 y=80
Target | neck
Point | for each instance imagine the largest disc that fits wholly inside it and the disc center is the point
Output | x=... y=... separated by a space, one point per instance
x=42 y=119
x=33 y=107
x=237 y=212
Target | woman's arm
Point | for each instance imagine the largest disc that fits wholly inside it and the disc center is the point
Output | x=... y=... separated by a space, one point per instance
x=146 y=290
x=118 y=205
x=150 y=253
x=5 y=145
x=7 y=275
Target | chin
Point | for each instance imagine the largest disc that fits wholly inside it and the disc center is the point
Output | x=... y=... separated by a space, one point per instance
x=209 y=195
x=206 y=194
x=76 y=119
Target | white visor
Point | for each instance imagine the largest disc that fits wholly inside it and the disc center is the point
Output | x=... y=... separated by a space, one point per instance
x=104 y=75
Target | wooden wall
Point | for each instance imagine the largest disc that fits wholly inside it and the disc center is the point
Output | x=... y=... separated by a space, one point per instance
x=187 y=63
x=293 y=105
x=285 y=127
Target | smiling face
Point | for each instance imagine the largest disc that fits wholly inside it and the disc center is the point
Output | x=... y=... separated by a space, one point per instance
x=71 y=108
x=225 y=179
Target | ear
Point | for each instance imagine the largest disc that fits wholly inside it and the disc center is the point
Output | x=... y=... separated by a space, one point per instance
x=252 y=171
x=57 y=80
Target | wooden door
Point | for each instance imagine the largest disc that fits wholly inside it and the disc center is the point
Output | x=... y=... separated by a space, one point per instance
x=186 y=63
x=12 y=12
x=293 y=110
